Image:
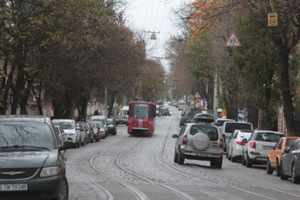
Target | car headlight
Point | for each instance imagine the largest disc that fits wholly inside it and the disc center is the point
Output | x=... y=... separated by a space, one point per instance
x=50 y=171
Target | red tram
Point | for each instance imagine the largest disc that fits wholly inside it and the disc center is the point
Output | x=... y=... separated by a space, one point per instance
x=141 y=119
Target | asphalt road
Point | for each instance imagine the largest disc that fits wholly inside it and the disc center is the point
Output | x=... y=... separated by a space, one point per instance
x=124 y=167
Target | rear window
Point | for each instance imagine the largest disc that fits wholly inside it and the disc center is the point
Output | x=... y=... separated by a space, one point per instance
x=268 y=137
x=230 y=127
x=64 y=124
x=211 y=132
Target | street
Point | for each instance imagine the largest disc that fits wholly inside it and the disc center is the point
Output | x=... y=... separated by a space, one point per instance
x=125 y=167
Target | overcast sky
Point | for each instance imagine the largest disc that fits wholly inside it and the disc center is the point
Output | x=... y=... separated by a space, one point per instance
x=154 y=16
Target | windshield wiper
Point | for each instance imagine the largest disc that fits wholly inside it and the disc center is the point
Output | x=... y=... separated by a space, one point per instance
x=24 y=147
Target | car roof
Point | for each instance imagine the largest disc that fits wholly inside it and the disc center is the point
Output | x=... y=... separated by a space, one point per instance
x=24 y=118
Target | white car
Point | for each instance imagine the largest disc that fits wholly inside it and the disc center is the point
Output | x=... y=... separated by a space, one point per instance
x=258 y=146
x=228 y=128
x=69 y=127
x=235 y=146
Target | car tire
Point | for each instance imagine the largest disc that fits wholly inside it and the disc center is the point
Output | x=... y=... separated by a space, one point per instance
x=277 y=168
x=243 y=159
x=282 y=176
x=248 y=163
x=175 y=157
x=295 y=177
x=180 y=159
x=269 y=168
x=200 y=141
x=216 y=163
x=64 y=191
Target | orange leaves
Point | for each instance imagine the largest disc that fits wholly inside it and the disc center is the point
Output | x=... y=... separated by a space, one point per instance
x=206 y=13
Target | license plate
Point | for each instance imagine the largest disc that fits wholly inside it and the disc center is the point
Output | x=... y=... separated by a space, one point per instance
x=14 y=187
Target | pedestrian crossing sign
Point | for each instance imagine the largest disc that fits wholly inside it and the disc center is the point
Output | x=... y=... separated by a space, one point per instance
x=233 y=41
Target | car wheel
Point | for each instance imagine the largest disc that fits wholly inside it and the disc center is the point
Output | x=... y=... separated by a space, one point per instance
x=248 y=163
x=216 y=163
x=243 y=159
x=269 y=168
x=83 y=143
x=295 y=178
x=277 y=168
x=233 y=159
x=282 y=176
x=180 y=159
x=175 y=157
x=64 y=191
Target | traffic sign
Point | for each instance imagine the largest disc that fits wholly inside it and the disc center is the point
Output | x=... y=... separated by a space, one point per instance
x=224 y=112
x=233 y=41
x=272 y=19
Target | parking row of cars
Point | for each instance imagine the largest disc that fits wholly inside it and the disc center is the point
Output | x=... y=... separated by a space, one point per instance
x=75 y=134
x=203 y=138
x=265 y=147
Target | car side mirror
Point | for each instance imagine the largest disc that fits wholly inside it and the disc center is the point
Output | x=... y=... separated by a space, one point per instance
x=286 y=150
x=175 y=136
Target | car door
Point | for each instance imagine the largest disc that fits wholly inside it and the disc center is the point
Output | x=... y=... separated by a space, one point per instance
x=179 y=138
x=276 y=151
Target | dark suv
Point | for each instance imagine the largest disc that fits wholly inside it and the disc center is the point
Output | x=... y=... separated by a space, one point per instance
x=199 y=141
x=32 y=159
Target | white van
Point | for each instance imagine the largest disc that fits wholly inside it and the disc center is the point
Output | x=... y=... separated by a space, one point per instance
x=124 y=111
x=229 y=127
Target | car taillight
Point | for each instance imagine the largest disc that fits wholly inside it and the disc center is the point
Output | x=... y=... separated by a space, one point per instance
x=253 y=145
x=221 y=143
x=184 y=139
x=241 y=143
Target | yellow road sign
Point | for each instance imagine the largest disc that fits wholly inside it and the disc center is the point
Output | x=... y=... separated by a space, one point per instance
x=272 y=19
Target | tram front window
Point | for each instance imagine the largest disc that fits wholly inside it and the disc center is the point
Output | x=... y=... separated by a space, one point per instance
x=141 y=110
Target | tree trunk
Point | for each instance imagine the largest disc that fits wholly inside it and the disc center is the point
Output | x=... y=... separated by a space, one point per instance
x=289 y=110
x=210 y=93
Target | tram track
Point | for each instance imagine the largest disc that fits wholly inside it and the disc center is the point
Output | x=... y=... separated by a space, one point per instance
x=117 y=162
x=218 y=181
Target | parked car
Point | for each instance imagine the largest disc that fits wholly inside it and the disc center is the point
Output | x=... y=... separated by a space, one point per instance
x=228 y=128
x=275 y=155
x=199 y=141
x=83 y=133
x=290 y=162
x=102 y=119
x=111 y=126
x=98 y=133
x=33 y=162
x=69 y=127
x=220 y=121
x=121 y=119
x=202 y=117
x=258 y=146
x=235 y=146
x=89 y=132
x=61 y=133
x=183 y=120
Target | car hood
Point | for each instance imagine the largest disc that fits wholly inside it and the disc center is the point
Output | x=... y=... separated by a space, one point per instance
x=28 y=159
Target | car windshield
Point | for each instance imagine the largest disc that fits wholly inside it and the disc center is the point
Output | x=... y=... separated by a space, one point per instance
x=110 y=121
x=27 y=135
x=64 y=124
x=210 y=131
